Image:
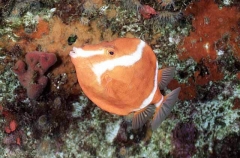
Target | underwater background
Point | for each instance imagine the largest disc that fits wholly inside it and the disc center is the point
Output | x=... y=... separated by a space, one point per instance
x=201 y=38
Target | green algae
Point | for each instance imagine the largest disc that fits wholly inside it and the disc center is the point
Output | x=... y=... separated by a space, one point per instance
x=29 y=20
x=8 y=81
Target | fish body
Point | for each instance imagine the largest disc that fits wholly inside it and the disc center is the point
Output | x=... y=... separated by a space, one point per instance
x=122 y=77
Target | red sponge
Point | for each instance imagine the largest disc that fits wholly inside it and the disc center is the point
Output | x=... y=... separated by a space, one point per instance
x=31 y=76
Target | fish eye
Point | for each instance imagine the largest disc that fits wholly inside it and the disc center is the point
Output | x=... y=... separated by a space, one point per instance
x=111 y=52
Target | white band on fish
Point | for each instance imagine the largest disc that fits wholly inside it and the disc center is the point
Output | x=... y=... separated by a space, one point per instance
x=126 y=60
x=79 y=52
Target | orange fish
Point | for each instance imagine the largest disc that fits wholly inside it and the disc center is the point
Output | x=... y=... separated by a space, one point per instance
x=122 y=77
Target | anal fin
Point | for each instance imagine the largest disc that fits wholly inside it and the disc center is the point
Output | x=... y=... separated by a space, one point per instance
x=165 y=76
x=164 y=110
x=140 y=117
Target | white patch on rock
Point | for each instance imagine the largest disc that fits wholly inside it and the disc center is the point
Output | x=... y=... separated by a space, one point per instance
x=226 y=2
x=220 y=52
x=78 y=106
x=174 y=40
x=112 y=131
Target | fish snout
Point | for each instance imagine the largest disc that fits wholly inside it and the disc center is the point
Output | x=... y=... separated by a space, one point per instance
x=76 y=52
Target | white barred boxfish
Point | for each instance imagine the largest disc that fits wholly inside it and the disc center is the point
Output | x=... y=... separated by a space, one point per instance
x=122 y=77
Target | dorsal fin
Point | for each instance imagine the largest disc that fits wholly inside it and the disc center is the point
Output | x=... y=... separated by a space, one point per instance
x=165 y=76
x=140 y=117
x=164 y=110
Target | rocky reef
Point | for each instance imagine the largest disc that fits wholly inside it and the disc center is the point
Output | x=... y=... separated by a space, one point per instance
x=201 y=38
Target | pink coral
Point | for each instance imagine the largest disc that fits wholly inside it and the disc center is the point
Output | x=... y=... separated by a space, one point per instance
x=147 y=12
x=32 y=76
x=14 y=138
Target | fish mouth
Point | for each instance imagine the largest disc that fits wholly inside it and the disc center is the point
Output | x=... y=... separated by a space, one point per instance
x=76 y=52
x=79 y=52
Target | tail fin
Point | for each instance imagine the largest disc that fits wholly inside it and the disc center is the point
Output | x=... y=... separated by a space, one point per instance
x=165 y=76
x=140 y=117
x=164 y=110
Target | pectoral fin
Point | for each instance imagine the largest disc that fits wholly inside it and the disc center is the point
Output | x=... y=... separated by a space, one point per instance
x=140 y=117
x=107 y=84
x=164 y=110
